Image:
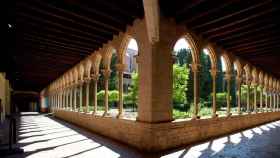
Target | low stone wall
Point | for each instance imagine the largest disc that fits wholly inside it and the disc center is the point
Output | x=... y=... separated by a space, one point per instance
x=161 y=136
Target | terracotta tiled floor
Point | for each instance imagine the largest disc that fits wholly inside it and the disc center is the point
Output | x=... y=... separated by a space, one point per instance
x=46 y=137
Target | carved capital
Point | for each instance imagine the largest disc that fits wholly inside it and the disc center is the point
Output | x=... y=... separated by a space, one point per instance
x=120 y=67
x=106 y=73
x=213 y=72
x=195 y=67
x=228 y=76
x=94 y=77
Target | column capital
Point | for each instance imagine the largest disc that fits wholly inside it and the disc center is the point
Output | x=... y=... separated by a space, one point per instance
x=120 y=67
x=87 y=79
x=106 y=73
x=213 y=72
x=195 y=67
x=94 y=77
x=228 y=76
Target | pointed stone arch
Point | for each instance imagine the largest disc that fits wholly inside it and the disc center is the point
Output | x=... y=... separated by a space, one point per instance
x=213 y=56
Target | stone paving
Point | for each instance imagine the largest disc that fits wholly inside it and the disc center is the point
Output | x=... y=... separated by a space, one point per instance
x=42 y=136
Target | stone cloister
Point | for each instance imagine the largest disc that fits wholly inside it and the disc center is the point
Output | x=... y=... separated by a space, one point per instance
x=154 y=128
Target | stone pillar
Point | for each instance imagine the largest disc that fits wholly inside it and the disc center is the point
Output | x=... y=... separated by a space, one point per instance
x=274 y=101
x=75 y=98
x=120 y=69
x=228 y=79
x=238 y=85
x=195 y=70
x=71 y=97
x=261 y=98
x=248 y=97
x=66 y=98
x=270 y=103
x=95 y=78
x=255 y=98
x=277 y=101
x=81 y=96
x=106 y=74
x=87 y=94
x=214 y=107
x=266 y=100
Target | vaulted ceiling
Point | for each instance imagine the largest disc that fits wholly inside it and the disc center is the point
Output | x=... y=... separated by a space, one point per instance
x=53 y=35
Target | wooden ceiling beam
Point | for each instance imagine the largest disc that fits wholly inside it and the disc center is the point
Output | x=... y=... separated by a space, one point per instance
x=251 y=43
x=64 y=27
x=73 y=22
x=252 y=31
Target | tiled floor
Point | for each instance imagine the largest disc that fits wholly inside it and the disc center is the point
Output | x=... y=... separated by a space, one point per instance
x=46 y=137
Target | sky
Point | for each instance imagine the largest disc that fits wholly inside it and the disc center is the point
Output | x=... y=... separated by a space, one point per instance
x=133 y=44
x=180 y=44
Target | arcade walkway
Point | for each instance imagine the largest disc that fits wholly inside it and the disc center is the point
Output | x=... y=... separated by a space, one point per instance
x=44 y=136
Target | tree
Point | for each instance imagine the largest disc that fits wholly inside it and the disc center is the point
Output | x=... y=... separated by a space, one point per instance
x=180 y=81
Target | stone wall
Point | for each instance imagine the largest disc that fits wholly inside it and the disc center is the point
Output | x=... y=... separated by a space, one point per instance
x=161 y=136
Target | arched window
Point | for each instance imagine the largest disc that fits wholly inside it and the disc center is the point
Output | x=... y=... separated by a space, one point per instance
x=182 y=95
x=131 y=80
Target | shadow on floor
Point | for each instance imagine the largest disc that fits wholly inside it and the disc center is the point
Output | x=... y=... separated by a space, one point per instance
x=45 y=136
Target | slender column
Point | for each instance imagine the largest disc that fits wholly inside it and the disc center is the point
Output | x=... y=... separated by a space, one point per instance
x=81 y=95
x=274 y=101
x=266 y=99
x=195 y=70
x=95 y=78
x=270 y=98
x=106 y=74
x=120 y=69
x=62 y=99
x=228 y=79
x=71 y=97
x=248 y=97
x=238 y=84
x=66 y=99
x=277 y=101
x=255 y=98
x=261 y=98
x=87 y=81
x=75 y=98
x=213 y=72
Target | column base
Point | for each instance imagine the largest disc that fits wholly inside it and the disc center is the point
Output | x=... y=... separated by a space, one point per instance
x=105 y=114
x=195 y=117
x=229 y=114
x=215 y=116
x=120 y=116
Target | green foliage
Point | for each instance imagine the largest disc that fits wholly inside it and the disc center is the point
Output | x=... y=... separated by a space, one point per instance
x=180 y=80
x=221 y=100
x=113 y=97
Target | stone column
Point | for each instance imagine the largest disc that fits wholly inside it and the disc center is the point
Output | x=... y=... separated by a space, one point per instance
x=255 y=98
x=238 y=84
x=81 y=96
x=62 y=99
x=66 y=98
x=95 y=78
x=75 y=98
x=87 y=81
x=71 y=97
x=195 y=70
x=270 y=103
x=228 y=79
x=106 y=74
x=213 y=73
x=120 y=69
x=261 y=98
x=266 y=99
x=274 y=101
x=248 y=97
x=277 y=101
